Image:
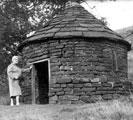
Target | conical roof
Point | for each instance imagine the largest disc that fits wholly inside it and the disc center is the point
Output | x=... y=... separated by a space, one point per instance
x=74 y=21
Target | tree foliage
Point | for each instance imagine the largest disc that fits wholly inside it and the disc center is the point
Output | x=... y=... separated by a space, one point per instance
x=18 y=18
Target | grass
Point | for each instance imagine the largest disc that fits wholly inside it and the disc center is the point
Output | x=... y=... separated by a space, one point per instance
x=111 y=110
x=4 y=99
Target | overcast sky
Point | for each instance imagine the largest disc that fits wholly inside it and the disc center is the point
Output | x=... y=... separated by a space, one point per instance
x=118 y=14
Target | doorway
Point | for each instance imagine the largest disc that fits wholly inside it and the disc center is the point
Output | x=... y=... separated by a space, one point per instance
x=42 y=81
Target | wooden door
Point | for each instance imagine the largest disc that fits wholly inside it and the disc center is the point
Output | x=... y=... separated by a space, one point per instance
x=33 y=75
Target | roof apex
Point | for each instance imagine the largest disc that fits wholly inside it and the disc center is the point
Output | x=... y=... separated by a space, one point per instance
x=71 y=4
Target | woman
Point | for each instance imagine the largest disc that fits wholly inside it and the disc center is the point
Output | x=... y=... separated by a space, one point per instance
x=14 y=73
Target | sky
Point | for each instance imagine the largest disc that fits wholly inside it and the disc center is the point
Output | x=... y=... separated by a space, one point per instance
x=118 y=14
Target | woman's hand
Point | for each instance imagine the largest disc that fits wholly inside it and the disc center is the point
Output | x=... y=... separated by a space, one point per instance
x=16 y=77
x=31 y=66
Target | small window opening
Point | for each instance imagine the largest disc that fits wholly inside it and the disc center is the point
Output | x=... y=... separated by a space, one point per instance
x=115 y=61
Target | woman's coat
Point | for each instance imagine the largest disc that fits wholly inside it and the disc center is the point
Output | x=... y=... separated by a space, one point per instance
x=14 y=71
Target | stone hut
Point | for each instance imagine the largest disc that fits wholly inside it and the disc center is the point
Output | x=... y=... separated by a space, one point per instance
x=77 y=59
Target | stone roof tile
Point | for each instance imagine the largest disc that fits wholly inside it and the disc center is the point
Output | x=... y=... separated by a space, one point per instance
x=40 y=36
x=100 y=34
x=53 y=30
x=67 y=29
x=60 y=26
x=82 y=28
x=62 y=34
x=69 y=34
x=74 y=22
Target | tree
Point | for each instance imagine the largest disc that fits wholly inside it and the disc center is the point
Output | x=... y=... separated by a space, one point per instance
x=18 y=18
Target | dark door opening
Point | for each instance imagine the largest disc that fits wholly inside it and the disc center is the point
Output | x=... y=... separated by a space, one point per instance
x=42 y=82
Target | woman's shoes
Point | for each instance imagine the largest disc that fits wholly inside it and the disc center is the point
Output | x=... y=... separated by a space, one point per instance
x=17 y=104
x=11 y=104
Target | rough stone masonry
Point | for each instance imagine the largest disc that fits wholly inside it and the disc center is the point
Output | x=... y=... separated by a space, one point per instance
x=88 y=61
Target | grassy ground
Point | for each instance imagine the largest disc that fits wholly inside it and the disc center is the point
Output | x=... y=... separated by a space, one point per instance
x=112 y=110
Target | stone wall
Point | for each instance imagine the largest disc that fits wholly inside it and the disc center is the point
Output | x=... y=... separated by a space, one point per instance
x=4 y=90
x=82 y=70
x=26 y=88
x=81 y=91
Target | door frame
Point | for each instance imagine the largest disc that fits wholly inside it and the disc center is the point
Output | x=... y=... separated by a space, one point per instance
x=33 y=77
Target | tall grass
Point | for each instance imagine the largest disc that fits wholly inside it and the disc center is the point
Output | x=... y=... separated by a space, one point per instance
x=121 y=109
x=112 y=110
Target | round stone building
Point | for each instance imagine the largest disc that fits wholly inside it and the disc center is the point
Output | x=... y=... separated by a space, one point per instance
x=77 y=59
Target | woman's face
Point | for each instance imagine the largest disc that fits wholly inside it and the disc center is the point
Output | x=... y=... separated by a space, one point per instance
x=15 y=60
